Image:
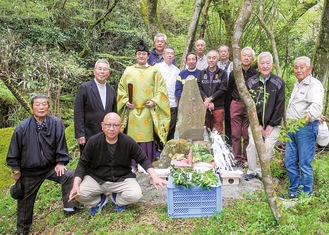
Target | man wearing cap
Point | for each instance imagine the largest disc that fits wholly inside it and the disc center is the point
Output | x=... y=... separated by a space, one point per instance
x=305 y=103
x=147 y=107
x=38 y=152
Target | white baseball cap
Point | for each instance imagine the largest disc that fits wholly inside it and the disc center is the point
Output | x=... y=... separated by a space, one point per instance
x=323 y=135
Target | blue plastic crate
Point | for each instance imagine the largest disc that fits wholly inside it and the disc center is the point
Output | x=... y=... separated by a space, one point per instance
x=193 y=202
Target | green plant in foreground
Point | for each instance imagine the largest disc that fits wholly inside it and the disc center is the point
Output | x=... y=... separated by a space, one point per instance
x=292 y=126
x=189 y=177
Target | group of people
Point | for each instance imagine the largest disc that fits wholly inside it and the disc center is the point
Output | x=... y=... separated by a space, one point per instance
x=116 y=130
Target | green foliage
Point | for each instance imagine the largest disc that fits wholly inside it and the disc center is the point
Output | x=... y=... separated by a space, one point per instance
x=188 y=177
x=248 y=215
x=278 y=169
x=291 y=127
x=5 y=171
x=201 y=153
x=70 y=139
x=256 y=95
x=6 y=95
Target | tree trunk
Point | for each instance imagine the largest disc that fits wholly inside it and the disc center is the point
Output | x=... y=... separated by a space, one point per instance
x=242 y=20
x=91 y=27
x=226 y=14
x=270 y=33
x=16 y=93
x=204 y=19
x=149 y=15
x=321 y=56
x=192 y=30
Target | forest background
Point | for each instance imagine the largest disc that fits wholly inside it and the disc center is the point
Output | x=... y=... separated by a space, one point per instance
x=51 y=46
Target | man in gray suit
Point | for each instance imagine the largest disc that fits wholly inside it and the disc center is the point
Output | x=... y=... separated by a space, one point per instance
x=93 y=101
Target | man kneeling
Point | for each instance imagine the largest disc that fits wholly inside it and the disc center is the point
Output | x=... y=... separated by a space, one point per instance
x=104 y=169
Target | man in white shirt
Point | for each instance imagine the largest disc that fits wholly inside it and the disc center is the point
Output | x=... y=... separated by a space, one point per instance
x=226 y=65
x=305 y=103
x=170 y=73
x=93 y=101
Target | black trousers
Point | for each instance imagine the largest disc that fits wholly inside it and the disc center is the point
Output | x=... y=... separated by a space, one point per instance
x=31 y=186
x=173 y=119
x=228 y=134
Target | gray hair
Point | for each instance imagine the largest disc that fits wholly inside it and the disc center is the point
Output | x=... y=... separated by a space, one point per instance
x=169 y=47
x=305 y=58
x=250 y=49
x=160 y=35
x=39 y=96
x=228 y=49
x=102 y=61
x=200 y=40
x=265 y=54
x=213 y=51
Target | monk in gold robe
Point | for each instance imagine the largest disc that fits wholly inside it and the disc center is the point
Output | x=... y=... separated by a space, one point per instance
x=144 y=109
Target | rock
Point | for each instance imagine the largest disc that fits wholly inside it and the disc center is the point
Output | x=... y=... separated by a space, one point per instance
x=171 y=147
x=191 y=112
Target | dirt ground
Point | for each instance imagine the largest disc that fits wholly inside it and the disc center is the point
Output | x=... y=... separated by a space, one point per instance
x=153 y=196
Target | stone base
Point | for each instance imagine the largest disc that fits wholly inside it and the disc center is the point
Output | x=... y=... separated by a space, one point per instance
x=230 y=179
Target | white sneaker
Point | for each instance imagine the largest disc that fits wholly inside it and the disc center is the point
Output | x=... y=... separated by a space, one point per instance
x=141 y=169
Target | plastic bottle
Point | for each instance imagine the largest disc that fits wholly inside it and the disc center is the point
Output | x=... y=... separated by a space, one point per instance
x=176 y=134
x=205 y=134
x=190 y=157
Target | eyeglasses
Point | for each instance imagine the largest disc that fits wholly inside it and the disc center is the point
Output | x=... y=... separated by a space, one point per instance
x=109 y=125
x=102 y=69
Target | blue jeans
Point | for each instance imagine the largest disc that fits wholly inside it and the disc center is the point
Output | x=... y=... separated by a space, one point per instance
x=299 y=156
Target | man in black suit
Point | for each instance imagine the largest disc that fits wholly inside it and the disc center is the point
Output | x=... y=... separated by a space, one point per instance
x=93 y=101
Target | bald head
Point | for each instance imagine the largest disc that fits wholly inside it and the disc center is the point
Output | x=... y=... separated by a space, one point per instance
x=200 y=47
x=111 y=125
x=112 y=117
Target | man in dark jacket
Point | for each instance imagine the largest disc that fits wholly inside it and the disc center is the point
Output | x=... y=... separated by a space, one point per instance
x=105 y=169
x=94 y=99
x=37 y=152
x=156 y=54
x=212 y=84
x=238 y=112
x=268 y=92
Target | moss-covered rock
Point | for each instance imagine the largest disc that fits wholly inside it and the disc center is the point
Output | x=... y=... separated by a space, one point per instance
x=5 y=171
x=172 y=147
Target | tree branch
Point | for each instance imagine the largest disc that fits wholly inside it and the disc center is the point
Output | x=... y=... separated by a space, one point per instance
x=239 y=26
x=92 y=26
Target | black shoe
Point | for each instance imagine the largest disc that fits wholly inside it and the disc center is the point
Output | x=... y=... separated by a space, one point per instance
x=290 y=196
x=68 y=214
x=248 y=177
x=244 y=164
x=237 y=164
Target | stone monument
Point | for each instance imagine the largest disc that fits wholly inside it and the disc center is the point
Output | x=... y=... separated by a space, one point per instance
x=191 y=112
